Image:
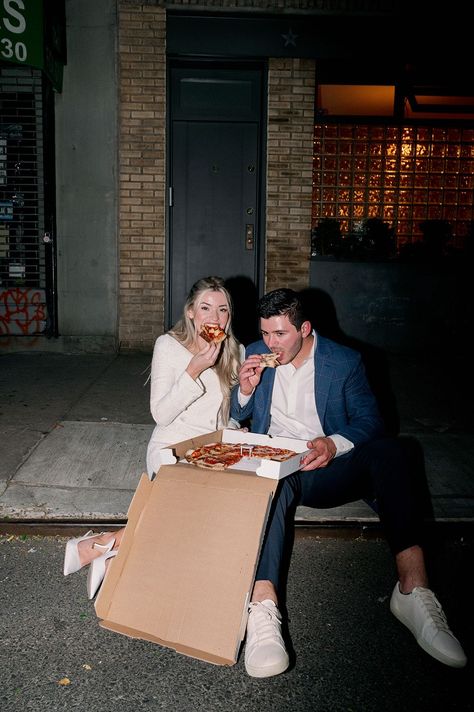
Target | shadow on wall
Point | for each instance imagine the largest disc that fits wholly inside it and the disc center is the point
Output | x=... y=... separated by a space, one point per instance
x=322 y=314
x=244 y=297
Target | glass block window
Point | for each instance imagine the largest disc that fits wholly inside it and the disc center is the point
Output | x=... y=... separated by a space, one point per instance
x=402 y=175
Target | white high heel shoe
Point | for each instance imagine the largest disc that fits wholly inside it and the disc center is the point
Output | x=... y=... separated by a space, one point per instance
x=97 y=572
x=72 y=562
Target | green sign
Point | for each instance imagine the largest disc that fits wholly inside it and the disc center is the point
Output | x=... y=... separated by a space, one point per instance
x=31 y=33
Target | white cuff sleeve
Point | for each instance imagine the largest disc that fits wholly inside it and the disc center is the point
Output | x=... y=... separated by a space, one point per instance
x=243 y=400
x=342 y=444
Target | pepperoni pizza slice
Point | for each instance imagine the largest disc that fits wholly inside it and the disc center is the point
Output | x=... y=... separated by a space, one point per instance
x=214 y=456
x=212 y=333
x=265 y=452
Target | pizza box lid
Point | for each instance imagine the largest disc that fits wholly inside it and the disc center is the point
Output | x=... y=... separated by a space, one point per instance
x=263 y=468
x=185 y=568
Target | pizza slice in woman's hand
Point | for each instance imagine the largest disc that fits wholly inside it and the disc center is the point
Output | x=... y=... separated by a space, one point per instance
x=212 y=333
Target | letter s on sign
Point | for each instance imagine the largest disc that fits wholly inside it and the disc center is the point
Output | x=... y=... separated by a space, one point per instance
x=9 y=7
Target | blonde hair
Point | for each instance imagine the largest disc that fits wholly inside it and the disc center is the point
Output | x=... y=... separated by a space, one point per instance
x=228 y=364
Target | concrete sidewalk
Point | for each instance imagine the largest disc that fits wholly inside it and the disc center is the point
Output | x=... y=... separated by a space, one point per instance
x=74 y=430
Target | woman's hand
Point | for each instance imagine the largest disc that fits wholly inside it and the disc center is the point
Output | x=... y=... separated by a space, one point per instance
x=205 y=358
x=250 y=374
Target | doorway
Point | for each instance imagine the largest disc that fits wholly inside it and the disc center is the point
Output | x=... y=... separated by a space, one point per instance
x=215 y=183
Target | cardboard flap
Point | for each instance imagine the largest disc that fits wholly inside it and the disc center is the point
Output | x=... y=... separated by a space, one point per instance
x=267 y=467
x=230 y=479
x=166 y=456
x=191 y=652
x=116 y=564
x=187 y=560
x=181 y=448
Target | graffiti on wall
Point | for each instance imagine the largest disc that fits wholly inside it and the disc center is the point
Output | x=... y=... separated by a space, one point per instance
x=22 y=312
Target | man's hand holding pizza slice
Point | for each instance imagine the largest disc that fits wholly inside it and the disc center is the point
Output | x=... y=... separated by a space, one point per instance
x=251 y=371
x=269 y=360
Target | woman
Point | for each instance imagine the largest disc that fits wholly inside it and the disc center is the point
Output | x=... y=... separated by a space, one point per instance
x=191 y=382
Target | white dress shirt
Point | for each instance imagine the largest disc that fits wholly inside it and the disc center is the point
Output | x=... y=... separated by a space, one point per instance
x=293 y=407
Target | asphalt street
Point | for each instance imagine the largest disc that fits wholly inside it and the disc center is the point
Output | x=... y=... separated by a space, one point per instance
x=349 y=653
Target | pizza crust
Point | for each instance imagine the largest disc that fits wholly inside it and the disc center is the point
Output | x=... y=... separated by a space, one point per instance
x=205 y=466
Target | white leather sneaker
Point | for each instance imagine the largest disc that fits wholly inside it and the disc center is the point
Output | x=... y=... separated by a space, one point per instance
x=421 y=612
x=265 y=652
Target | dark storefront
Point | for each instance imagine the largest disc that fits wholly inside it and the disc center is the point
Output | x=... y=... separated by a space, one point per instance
x=32 y=54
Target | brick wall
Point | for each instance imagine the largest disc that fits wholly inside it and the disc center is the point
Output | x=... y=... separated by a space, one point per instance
x=142 y=116
x=142 y=165
x=291 y=87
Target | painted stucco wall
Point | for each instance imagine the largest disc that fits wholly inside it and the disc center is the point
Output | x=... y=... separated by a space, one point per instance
x=86 y=175
x=402 y=308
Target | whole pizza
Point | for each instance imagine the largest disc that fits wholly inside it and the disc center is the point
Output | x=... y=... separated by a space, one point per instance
x=220 y=456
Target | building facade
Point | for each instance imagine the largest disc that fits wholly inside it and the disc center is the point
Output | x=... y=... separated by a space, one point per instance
x=187 y=142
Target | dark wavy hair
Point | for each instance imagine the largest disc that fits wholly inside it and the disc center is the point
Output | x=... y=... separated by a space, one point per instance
x=283 y=302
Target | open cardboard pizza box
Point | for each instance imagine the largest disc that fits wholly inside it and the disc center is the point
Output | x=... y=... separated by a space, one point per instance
x=264 y=468
x=186 y=565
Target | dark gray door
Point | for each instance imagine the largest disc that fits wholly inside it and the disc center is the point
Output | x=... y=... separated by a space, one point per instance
x=214 y=214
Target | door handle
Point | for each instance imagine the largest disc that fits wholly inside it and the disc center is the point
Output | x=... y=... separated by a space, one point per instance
x=249 y=237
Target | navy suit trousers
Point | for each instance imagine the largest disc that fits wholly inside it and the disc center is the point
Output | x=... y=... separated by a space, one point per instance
x=378 y=469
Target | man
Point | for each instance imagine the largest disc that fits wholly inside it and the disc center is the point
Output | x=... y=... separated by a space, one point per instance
x=320 y=393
